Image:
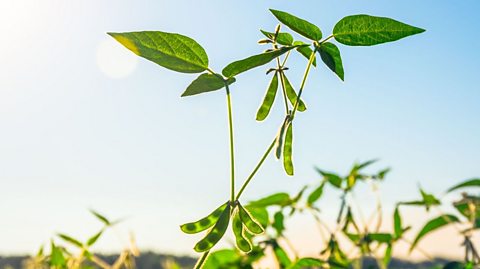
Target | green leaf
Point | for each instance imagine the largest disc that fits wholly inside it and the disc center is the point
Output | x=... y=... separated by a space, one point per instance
x=246 y=64
x=298 y=25
x=306 y=262
x=101 y=217
x=330 y=55
x=221 y=258
x=429 y=199
x=242 y=243
x=173 y=51
x=380 y=237
x=333 y=179
x=207 y=83
x=467 y=184
x=433 y=225
x=292 y=94
x=71 y=240
x=260 y=214
x=280 y=199
x=397 y=223
x=316 y=194
x=57 y=260
x=306 y=51
x=287 y=151
x=92 y=240
x=388 y=256
x=285 y=39
x=204 y=223
x=280 y=137
x=250 y=223
x=365 y=30
x=269 y=98
x=278 y=222
x=216 y=233
x=281 y=255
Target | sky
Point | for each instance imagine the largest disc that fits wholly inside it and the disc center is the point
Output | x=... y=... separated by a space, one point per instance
x=86 y=124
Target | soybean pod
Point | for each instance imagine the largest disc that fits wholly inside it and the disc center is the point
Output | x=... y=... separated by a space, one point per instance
x=291 y=94
x=242 y=242
x=250 y=223
x=216 y=233
x=269 y=98
x=280 y=137
x=204 y=223
x=287 y=151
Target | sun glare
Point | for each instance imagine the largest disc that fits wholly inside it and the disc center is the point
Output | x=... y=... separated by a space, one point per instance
x=113 y=60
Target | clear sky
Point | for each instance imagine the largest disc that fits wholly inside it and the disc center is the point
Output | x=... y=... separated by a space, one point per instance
x=84 y=124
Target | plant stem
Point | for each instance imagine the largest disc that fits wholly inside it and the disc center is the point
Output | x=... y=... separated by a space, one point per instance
x=202 y=260
x=304 y=79
x=256 y=169
x=232 y=149
x=282 y=81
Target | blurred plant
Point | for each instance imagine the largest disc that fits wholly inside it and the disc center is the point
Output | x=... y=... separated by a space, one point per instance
x=183 y=54
x=60 y=256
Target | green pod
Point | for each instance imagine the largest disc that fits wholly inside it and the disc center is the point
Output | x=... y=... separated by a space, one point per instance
x=250 y=223
x=280 y=137
x=204 y=223
x=242 y=242
x=216 y=233
x=269 y=98
x=287 y=151
x=291 y=94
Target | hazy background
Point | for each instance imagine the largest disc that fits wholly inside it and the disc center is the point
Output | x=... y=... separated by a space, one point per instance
x=85 y=124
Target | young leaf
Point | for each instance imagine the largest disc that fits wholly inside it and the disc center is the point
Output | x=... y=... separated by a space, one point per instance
x=101 y=218
x=291 y=94
x=307 y=262
x=388 y=256
x=241 y=66
x=278 y=223
x=281 y=255
x=298 y=25
x=306 y=51
x=57 y=259
x=280 y=199
x=397 y=223
x=242 y=243
x=204 y=223
x=469 y=183
x=285 y=39
x=92 y=240
x=287 y=151
x=333 y=179
x=216 y=233
x=380 y=237
x=71 y=240
x=269 y=98
x=315 y=195
x=365 y=30
x=433 y=225
x=330 y=55
x=250 y=223
x=206 y=83
x=280 y=137
x=173 y=51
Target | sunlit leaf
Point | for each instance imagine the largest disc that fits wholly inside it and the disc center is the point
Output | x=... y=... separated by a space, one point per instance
x=278 y=222
x=316 y=194
x=298 y=25
x=330 y=55
x=246 y=64
x=397 y=223
x=101 y=218
x=173 y=51
x=433 y=225
x=306 y=51
x=285 y=39
x=365 y=30
x=207 y=83
x=467 y=184
x=280 y=199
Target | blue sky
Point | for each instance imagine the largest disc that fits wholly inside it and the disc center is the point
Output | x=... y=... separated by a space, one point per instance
x=73 y=138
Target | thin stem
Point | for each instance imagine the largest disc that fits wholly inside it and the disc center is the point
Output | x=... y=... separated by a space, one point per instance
x=304 y=80
x=202 y=260
x=232 y=154
x=255 y=169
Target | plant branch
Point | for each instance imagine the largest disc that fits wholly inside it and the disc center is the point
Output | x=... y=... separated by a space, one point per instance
x=202 y=260
x=232 y=148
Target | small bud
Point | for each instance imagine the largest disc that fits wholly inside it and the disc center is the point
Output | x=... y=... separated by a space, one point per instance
x=264 y=41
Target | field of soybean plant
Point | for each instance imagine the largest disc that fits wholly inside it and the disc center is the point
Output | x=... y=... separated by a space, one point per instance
x=288 y=135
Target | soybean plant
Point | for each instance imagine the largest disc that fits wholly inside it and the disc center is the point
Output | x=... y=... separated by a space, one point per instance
x=183 y=54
